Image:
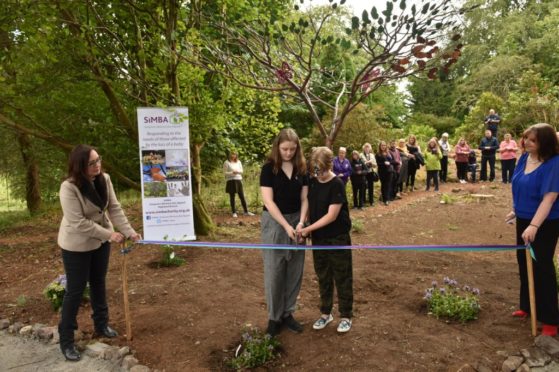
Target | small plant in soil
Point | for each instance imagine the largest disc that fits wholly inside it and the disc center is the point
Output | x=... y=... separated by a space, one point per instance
x=451 y=301
x=54 y=292
x=169 y=257
x=256 y=349
x=357 y=225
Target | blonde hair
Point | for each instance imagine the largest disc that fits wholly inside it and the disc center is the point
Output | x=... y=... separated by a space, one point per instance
x=321 y=158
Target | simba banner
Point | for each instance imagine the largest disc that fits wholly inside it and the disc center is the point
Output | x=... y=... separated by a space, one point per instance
x=165 y=167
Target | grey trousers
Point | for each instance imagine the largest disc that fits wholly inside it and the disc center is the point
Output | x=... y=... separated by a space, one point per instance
x=283 y=268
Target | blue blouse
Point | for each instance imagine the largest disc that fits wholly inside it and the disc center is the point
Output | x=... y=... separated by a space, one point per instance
x=529 y=189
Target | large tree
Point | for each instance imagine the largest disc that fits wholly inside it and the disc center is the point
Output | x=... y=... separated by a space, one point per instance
x=285 y=52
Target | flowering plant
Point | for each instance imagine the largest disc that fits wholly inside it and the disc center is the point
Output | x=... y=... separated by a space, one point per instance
x=255 y=350
x=452 y=302
x=54 y=292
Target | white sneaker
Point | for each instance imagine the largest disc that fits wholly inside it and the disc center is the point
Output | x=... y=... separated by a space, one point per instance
x=344 y=326
x=248 y=214
x=235 y=215
x=322 y=322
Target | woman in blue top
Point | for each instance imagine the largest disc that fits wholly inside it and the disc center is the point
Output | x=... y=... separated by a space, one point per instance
x=535 y=185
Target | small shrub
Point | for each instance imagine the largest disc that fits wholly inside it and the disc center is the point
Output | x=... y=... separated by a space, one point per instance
x=54 y=292
x=452 y=302
x=447 y=199
x=21 y=300
x=169 y=257
x=357 y=225
x=256 y=349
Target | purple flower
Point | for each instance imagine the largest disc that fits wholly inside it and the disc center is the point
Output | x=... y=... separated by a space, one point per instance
x=446 y=280
x=467 y=288
x=434 y=284
x=427 y=296
x=442 y=290
x=475 y=291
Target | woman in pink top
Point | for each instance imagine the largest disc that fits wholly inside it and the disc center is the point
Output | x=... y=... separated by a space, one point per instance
x=461 y=151
x=508 y=150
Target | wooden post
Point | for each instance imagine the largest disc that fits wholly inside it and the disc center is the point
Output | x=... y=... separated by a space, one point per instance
x=531 y=291
x=125 y=293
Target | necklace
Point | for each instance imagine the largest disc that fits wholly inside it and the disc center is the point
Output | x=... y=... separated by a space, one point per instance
x=532 y=161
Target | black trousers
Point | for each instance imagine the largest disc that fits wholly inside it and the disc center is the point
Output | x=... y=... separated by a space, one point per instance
x=81 y=268
x=370 y=187
x=358 y=189
x=334 y=267
x=386 y=185
x=461 y=170
x=432 y=175
x=444 y=168
x=232 y=202
x=507 y=169
x=412 y=170
x=394 y=186
x=545 y=282
x=483 y=173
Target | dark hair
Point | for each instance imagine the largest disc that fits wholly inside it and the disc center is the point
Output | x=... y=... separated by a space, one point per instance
x=299 y=163
x=546 y=137
x=78 y=163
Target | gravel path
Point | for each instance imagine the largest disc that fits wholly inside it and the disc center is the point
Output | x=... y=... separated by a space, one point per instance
x=21 y=354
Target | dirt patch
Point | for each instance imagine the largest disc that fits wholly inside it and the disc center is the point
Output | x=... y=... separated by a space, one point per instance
x=187 y=318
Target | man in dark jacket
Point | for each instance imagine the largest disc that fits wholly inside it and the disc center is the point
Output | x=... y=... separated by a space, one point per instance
x=492 y=121
x=488 y=147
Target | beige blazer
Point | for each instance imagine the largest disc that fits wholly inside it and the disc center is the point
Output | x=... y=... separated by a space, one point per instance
x=84 y=225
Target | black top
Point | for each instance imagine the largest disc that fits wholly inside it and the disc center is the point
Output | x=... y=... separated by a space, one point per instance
x=383 y=168
x=358 y=170
x=321 y=195
x=287 y=192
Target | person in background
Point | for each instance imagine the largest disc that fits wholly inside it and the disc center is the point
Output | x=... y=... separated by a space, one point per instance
x=330 y=224
x=492 y=121
x=233 y=171
x=89 y=210
x=535 y=186
x=403 y=176
x=461 y=152
x=358 y=181
x=385 y=171
x=472 y=165
x=488 y=147
x=415 y=160
x=284 y=188
x=369 y=159
x=445 y=147
x=396 y=165
x=342 y=166
x=508 y=149
x=432 y=157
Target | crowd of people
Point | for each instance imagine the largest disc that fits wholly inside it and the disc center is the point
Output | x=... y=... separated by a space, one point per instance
x=303 y=202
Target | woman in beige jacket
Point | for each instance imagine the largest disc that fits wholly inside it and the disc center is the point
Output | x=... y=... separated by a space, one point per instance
x=90 y=208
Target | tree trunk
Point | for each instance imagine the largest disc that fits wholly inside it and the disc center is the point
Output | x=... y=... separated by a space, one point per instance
x=32 y=187
x=203 y=224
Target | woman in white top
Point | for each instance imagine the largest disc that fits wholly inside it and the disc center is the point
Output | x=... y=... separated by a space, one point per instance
x=233 y=170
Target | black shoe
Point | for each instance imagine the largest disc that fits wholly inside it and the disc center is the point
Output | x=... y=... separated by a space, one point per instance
x=71 y=353
x=292 y=324
x=106 y=331
x=274 y=328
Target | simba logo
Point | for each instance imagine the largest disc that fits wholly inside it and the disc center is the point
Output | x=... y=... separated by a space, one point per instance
x=156 y=120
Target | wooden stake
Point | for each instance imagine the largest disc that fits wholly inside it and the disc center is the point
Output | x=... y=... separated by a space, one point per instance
x=125 y=294
x=532 y=292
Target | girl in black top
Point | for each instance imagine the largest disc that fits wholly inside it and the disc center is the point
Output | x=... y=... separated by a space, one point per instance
x=284 y=187
x=330 y=225
x=385 y=171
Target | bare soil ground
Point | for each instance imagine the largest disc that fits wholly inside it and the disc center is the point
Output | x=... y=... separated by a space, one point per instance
x=190 y=317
